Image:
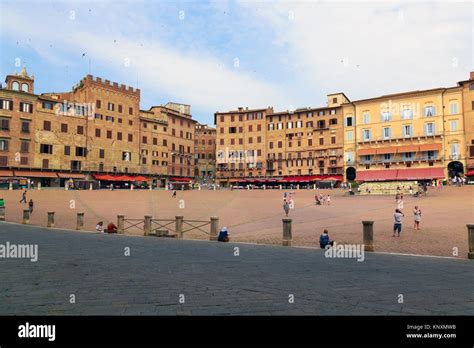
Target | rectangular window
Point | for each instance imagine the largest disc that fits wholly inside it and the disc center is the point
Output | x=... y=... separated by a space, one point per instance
x=454 y=125
x=120 y=108
x=45 y=163
x=333 y=121
x=310 y=142
x=130 y=111
x=349 y=135
x=97 y=104
x=119 y=135
x=366 y=135
x=110 y=107
x=23 y=161
x=407 y=114
x=25 y=127
x=333 y=112
x=155 y=141
x=386 y=133
x=454 y=151
x=126 y=156
x=46 y=148
x=47 y=125
x=270 y=126
x=97 y=133
x=321 y=141
x=26 y=107
x=3 y=144
x=289 y=125
x=130 y=137
x=429 y=129
x=407 y=131
x=67 y=150
x=333 y=140
x=453 y=107
x=349 y=121
x=101 y=153
x=408 y=155
x=25 y=147
x=6 y=104
x=4 y=124
x=80 y=130
x=63 y=127
x=109 y=134
x=430 y=111
x=366 y=118
x=280 y=125
x=81 y=151
x=47 y=105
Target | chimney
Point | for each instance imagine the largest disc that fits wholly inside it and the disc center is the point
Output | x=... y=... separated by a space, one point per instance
x=240 y=108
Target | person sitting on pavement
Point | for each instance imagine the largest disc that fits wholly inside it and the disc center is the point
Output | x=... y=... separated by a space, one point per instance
x=111 y=228
x=99 y=227
x=223 y=235
x=324 y=240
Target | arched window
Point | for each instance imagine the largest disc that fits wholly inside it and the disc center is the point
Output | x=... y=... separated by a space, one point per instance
x=24 y=87
x=15 y=86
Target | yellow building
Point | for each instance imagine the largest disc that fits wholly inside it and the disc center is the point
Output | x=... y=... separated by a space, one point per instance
x=416 y=135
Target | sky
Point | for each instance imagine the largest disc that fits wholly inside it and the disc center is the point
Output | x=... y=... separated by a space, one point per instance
x=219 y=55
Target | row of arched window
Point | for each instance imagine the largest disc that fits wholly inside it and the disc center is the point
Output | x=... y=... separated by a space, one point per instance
x=16 y=86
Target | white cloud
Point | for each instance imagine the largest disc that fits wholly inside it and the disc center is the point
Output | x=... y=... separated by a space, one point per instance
x=369 y=48
x=192 y=77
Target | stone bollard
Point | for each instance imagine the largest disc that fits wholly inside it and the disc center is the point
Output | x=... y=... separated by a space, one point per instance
x=470 y=237
x=131 y=187
x=368 y=231
x=90 y=187
x=314 y=186
x=287 y=236
x=264 y=187
x=80 y=221
x=66 y=187
x=120 y=223
x=214 y=228
x=39 y=186
x=150 y=187
x=280 y=187
x=2 y=213
x=26 y=216
x=10 y=186
x=179 y=226
x=199 y=188
x=50 y=219
x=147 y=225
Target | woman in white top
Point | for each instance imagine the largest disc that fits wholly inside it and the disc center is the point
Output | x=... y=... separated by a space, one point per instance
x=417 y=215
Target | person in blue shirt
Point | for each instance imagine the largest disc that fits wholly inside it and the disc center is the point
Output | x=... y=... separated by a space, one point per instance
x=324 y=240
x=223 y=235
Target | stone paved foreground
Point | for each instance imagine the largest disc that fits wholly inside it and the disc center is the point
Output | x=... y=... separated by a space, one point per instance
x=214 y=281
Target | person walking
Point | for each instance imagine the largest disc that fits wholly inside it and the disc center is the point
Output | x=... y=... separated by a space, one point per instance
x=417 y=215
x=23 y=197
x=286 y=207
x=328 y=199
x=30 y=206
x=397 y=222
x=174 y=194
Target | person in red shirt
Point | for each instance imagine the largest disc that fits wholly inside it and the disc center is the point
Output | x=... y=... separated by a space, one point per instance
x=111 y=228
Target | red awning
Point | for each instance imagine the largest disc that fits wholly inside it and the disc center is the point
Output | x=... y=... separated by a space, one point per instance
x=177 y=179
x=106 y=177
x=377 y=175
x=31 y=174
x=420 y=173
x=401 y=174
x=71 y=175
x=4 y=173
x=470 y=173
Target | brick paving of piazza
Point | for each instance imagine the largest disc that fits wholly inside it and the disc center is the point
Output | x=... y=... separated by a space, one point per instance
x=256 y=215
x=213 y=281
